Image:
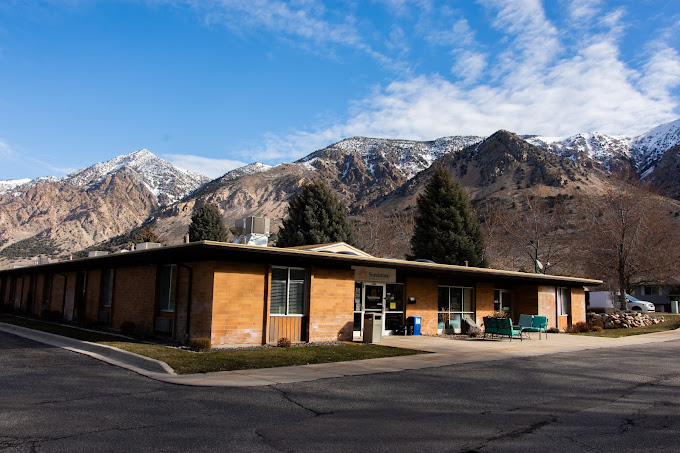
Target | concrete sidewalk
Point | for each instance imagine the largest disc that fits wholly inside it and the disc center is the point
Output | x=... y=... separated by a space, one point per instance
x=442 y=352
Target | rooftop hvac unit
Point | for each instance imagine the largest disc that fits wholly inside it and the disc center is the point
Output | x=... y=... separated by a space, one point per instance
x=96 y=253
x=147 y=245
x=43 y=260
x=252 y=225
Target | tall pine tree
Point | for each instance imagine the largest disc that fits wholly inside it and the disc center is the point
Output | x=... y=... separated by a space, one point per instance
x=447 y=230
x=207 y=225
x=315 y=216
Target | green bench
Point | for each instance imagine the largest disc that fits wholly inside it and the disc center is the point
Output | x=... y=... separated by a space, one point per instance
x=533 y=323
x=501 y=327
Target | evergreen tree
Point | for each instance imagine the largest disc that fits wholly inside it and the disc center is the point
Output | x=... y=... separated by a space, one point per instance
x=207 y=225
x=447 y=230
x=315 y=216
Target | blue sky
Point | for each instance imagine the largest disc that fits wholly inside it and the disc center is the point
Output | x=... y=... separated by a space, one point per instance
x=214 y=84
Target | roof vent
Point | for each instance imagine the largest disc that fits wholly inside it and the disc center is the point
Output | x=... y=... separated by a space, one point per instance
x=147 y=245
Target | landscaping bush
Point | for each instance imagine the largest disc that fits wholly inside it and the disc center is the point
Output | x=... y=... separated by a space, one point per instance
x=553 y=330
x=283 y=343
x=597 y=329
x=200 y=344
x=474 y=332
x=581 y=327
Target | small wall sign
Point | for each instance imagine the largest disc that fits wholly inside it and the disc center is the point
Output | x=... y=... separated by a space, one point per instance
x=374 y=274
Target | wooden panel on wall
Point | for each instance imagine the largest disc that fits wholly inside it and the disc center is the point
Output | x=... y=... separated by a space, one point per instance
x=290 y=327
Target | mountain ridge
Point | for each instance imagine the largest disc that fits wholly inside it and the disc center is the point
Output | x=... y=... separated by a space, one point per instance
x=112 y=198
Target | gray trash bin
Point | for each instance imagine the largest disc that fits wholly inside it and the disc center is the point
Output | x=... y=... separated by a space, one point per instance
x=372 y=327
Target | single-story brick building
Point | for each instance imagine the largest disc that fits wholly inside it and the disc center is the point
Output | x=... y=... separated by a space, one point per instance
x=242 y=294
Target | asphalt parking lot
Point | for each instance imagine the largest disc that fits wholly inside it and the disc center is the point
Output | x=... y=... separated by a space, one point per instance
x=610 y=399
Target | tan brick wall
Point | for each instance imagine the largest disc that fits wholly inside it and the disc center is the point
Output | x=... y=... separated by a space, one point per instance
x=70 y=295
x=525 y=301
x=331 y=304
x=37 y=302
x=547 y=304
x=56 y=297
x=426 y=306
x=92 y=288
x=578 y=305
x=484 y=301
x=202 y=299
x=238 y=303
x=134 y=296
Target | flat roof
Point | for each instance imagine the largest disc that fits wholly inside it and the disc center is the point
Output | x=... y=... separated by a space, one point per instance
x=211 y=250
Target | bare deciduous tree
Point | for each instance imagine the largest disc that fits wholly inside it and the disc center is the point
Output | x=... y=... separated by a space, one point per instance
x=385 y=235
x=530 y=235
x=629 y=237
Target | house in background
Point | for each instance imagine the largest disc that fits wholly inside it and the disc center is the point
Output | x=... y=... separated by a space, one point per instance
x=660 y=295
x=244 y=294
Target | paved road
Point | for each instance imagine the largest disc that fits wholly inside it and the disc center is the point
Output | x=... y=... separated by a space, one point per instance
x=622 y=400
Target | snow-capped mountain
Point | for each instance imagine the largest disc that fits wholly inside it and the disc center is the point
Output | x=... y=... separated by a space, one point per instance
x=643 y=151
x=255 y=167
x=649 y=148
x=167 y=182
x=409 y=157
x=9 y=184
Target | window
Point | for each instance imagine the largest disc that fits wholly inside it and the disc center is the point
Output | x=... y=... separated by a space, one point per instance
x=651 y=290
x=287 y=291
x=455 y=304
x=107 y=288
x=168 y=286
x=563 y=301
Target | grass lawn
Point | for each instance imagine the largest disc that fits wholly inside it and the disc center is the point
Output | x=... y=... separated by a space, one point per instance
x=185 y=362
x=672 y=322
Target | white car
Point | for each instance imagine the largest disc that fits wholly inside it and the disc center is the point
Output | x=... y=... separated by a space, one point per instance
x=639 y=305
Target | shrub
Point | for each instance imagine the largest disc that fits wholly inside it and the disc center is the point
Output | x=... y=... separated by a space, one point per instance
x=200 y=344
x=553 y=330
x=283 y=343
x=598 y=329
x=128 y=328
x=579 y=327
x=596 y=323
x=474 y=332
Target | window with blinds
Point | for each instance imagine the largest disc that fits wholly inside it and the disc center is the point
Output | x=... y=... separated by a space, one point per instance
x=287 y=291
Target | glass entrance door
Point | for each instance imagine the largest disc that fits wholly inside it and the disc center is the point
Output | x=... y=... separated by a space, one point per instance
x=374 y=300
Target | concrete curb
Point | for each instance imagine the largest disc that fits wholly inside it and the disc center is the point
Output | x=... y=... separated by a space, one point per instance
x=443 y=352
x=131 y=361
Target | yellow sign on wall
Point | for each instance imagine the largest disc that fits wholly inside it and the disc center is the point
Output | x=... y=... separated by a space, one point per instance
x=374 y=274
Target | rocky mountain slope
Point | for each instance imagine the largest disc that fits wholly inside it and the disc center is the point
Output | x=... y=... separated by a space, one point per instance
x=504 y=166
x=641 y=153
x=111 y=198
x=359 y=169
x=60 y=215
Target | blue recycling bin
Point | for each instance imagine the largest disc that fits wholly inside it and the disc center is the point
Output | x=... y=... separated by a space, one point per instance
x=414 y=323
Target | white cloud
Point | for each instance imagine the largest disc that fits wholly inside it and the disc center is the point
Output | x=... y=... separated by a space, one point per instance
x=662 y=72
x=542 y=87
x=469 y=66
x=210 y=167
x=581 y=10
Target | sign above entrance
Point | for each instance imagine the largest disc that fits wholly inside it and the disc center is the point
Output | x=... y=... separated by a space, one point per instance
x=374 y=274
